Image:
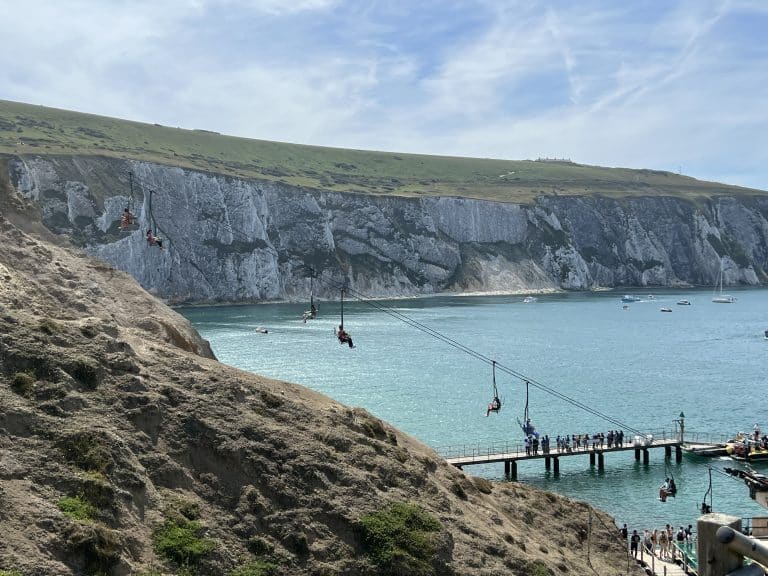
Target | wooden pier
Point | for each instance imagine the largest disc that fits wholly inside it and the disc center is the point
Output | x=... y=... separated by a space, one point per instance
x=511 y=454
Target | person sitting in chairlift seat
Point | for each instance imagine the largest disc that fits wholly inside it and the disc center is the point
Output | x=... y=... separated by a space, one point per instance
x=310 y=314
x=494 y=406
x=672 y=491
x=153 y=240
x=664 y=490
x=126 y=220
x=344 y=337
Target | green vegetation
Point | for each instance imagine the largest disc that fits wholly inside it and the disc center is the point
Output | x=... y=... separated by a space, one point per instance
x=87 y=450
x=401 y=539
x=538 y=568
x=22 y=383
x=27 y=129
x=255 y=568
x=77 y=508
x=10 y=573
x=180 y=541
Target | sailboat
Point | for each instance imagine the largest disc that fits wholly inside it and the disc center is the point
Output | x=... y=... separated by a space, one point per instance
x=719 y=297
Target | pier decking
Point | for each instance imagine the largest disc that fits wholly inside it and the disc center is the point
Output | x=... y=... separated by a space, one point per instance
x=512 y=453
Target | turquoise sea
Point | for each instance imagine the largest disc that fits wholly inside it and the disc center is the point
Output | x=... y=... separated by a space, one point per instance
x=640 y=366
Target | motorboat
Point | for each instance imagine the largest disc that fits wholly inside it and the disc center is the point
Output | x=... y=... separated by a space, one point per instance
x=261 y=330
x=683 y=302
x=530 y=299
x=665 y=309
x=630 y=298
x=745 y=448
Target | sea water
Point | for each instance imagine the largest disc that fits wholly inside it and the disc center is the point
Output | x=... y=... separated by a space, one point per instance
x=633 y=363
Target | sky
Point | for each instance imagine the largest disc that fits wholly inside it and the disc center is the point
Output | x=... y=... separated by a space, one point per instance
x=677 y=85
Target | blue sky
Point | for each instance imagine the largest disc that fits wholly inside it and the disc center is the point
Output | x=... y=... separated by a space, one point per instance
x=661 y=84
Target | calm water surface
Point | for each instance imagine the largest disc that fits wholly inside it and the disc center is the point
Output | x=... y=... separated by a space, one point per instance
x=639 y=366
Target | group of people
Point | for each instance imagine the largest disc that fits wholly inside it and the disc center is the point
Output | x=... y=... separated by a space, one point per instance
x=569 y=443
x=658 y=542
x=533 y=443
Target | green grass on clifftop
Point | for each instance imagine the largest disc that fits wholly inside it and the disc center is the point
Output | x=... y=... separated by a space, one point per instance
x=26 y=129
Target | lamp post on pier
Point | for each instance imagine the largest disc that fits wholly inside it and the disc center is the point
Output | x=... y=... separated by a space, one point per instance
x=681 y=425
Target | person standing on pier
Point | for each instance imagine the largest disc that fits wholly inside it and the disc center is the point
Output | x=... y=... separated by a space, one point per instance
x=663 y=544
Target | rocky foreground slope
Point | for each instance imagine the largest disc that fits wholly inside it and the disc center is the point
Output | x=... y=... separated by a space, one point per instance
x=126 y=448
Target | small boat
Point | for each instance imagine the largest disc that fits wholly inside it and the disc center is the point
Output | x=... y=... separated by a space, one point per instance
x=719 y=297
x=261 y=330
x=683 y=302
x=745 y=448
x=766 y=334
x=630 y=298
x=530 y=299
x=665 y=309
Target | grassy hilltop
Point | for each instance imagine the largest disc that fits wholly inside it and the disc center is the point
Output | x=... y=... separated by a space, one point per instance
x=27 y=129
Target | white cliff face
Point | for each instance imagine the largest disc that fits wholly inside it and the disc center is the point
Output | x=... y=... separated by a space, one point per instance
x=227 y=239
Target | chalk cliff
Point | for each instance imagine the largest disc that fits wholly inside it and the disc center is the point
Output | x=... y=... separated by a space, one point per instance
x=232 y=239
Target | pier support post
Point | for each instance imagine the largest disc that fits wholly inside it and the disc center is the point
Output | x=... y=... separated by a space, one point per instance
x=591 y=458
x=667 y=452
x=600 y=461
x=637 y=454
x=510 y=469
x=645 y=456
x=678 y=453
x=556 y=461
x=547 y=463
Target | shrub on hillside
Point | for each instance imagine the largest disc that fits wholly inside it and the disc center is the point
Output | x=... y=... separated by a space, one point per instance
x=87 y=450
x=76 y=508
x=255 y=568
x=181 y=541
x=401 y=539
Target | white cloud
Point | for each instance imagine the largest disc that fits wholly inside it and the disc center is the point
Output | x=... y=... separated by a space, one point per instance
x=646 y=85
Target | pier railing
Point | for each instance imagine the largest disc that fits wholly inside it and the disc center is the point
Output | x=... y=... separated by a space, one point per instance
x=513 y=447
x=693 y=437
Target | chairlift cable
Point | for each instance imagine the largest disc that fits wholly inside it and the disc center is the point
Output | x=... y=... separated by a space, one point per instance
x=483 y=358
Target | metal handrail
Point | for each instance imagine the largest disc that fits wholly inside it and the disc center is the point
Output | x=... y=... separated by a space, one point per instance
x=507 y=447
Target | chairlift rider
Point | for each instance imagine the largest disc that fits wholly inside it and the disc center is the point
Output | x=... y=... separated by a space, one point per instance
x=126 y=220
x=344 y=337
x=495 y=404
x=310 y=314
x=153 y=240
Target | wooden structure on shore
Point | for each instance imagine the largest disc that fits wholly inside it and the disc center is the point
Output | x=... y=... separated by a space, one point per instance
x=512 y=454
